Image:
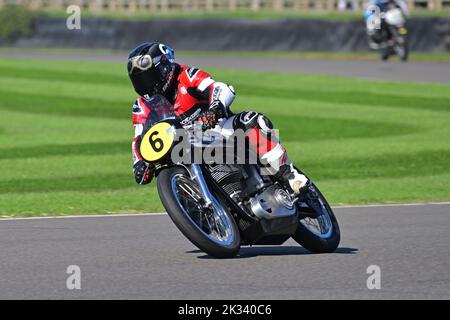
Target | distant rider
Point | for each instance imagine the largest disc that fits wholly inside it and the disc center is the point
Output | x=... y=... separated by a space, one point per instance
x=376 y=36
x=196 y=96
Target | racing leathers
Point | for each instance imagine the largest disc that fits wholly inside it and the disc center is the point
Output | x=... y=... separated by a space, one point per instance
x=196 y=96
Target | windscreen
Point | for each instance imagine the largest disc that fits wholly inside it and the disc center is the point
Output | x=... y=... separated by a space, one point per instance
x=160 y=109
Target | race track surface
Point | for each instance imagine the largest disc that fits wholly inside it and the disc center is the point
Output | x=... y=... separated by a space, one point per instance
x=433 y=72
x=146 y=257
x=395 y=71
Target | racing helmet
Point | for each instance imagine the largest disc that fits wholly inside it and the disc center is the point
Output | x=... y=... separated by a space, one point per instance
x=151 y=67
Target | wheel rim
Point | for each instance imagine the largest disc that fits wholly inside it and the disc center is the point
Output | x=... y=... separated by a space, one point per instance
x=212 y=221
x=321 y=226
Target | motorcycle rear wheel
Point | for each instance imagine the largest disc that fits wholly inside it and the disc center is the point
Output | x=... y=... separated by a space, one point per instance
x=402 y=51
x=326 y=238
x=212 y=229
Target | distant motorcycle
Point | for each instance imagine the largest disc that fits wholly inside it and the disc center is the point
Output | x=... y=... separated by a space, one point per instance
x=387 y=32
x=220 y=207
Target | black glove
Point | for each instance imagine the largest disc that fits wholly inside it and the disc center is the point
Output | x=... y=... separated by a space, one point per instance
x=215 y=112
x=208 y=120
x=218 y=109
x=143 y=172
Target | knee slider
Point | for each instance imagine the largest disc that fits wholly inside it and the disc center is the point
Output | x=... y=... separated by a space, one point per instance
x=264 y=123
x=251 y=119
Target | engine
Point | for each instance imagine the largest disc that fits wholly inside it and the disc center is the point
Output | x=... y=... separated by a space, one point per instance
x=262 y=198
x=229 y=177
x=274 y=202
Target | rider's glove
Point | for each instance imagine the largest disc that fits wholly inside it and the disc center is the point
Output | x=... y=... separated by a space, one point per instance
x=143 y=172
x=215 y=112
x=208 y=120
x=218 y=109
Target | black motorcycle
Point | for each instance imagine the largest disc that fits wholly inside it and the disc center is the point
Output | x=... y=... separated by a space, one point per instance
x=220 y=207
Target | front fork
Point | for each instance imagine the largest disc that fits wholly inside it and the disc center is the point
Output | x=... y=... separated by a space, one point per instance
x=197 y=175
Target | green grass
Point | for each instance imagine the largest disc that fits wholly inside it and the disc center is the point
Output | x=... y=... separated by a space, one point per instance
x=218 y=14
x=65 y=135
x=240 y=14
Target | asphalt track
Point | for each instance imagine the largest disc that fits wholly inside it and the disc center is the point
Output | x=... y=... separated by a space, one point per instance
x=146 y=257
x=392 y=71
x=424 y=72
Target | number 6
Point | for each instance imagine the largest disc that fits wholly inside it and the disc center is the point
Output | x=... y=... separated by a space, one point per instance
x=153 y=142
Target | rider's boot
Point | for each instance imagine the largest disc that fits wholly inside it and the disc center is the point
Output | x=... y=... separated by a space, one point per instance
x=280 y=167
x=290 y=177
x=274 y=158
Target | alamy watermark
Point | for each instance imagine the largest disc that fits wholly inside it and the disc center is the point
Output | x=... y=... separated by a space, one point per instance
x=73 y=21
x=374 y=20
x=212 y=147
x=374 y=280
x=73 y=281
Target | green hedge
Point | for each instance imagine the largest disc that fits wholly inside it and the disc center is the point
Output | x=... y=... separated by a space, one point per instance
x=15 y=21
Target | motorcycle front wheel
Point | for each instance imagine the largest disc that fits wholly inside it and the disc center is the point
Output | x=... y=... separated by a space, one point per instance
x=210 y=228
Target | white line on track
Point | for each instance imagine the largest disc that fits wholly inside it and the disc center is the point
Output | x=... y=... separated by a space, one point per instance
x=124 y=215
x=391 y=205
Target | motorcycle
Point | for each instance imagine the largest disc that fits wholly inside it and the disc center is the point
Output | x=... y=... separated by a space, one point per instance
x=221 y=207
x=387 y=32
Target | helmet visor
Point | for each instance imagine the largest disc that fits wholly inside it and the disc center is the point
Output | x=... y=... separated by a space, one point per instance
x=146 y=79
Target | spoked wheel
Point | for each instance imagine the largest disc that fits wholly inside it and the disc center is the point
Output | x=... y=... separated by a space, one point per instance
x=211 y=228
x=318 y=230
x=212 y=221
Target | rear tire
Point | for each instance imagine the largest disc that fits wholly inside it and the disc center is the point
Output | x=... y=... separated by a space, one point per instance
x=185 y=223
x=315 y=243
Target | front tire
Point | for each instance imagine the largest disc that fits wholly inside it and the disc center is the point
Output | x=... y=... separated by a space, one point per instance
x=182 y=200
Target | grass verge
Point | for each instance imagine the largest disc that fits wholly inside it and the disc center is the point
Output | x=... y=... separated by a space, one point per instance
x=241 y=14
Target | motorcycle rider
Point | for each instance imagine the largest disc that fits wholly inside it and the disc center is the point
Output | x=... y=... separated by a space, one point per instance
x=376 y=35
x=197 y=96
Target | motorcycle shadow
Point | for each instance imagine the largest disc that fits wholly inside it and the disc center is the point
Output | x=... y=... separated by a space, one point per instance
x=252 y=252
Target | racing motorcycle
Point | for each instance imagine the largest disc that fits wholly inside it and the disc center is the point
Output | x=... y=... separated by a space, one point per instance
x=387 y=32
x=220 y=207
